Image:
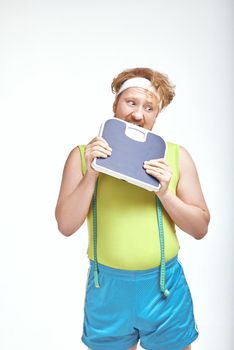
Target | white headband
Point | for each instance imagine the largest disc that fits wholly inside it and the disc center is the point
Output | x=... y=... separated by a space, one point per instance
x=138 y=82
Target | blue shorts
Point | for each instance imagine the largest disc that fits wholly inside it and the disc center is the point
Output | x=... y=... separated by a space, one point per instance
x=129 y=307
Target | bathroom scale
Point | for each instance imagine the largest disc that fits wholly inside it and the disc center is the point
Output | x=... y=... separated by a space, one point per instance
x=131 y=146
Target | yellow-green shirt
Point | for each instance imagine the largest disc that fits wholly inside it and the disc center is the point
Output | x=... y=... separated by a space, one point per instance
x=127 y=227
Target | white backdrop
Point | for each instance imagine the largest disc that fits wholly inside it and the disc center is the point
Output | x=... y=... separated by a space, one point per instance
x=57 y=61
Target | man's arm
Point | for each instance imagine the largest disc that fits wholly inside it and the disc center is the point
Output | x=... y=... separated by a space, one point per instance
x=75 y=195
x=76 y=190
x=187 y=208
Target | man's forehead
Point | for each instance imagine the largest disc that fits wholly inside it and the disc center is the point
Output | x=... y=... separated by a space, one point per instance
x=139 y=92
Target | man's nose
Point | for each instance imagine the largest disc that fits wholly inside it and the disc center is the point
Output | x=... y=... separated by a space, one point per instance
x=138 y=114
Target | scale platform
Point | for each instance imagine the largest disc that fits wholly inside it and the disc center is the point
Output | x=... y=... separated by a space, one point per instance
x=131 y=146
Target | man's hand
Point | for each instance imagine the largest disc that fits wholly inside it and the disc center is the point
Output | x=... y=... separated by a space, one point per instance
x=159 y=169
x=98 y=147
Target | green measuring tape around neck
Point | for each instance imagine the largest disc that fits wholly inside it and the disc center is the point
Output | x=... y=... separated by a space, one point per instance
x=94 y=205
x=158 y=205
x=162 y=248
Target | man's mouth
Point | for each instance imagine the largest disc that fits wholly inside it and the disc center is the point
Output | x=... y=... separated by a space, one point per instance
x=141 y=126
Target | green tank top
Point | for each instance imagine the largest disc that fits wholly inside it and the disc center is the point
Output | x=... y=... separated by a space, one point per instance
x=128 y=236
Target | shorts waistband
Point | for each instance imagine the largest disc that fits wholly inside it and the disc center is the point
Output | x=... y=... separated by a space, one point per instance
x=133 y=273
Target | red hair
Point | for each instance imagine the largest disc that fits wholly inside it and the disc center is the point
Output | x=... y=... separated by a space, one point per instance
x=163 y=86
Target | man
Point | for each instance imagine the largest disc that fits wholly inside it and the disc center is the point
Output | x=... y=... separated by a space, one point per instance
x=124 y=300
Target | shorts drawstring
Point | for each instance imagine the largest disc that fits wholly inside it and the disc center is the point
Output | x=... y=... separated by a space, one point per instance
x=158 y=205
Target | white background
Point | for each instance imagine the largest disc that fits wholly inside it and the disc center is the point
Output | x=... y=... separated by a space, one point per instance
x=57 y=61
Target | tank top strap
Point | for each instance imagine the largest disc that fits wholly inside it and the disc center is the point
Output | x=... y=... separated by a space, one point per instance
x=172 y=156
x=83 y=162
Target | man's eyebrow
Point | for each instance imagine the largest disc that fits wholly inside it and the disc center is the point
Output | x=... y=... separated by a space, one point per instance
x=137 y=98
x=149 y=102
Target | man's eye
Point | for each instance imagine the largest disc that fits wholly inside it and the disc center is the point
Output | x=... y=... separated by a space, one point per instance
x=149 y=108
x=131 y=102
